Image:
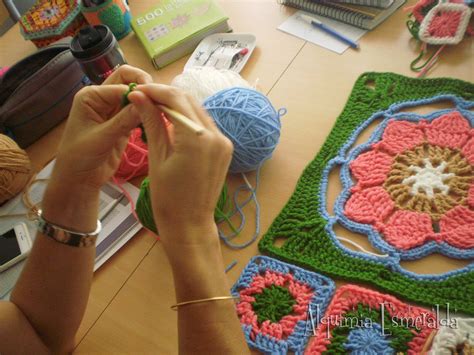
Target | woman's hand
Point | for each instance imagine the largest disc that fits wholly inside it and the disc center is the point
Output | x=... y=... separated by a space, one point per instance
x=93 y=141
x=98 y=129
x=187 y=171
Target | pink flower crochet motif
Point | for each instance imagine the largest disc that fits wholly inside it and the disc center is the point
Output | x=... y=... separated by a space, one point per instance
x=284 y=328
x=417 y=184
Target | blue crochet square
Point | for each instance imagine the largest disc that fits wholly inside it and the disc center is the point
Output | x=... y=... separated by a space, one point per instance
x=279 y=304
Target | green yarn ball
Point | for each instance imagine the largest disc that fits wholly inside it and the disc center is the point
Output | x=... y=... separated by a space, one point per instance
x=145 y=212
x=143 y=207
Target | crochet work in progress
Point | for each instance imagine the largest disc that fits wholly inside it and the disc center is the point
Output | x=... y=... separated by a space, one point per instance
x=409 y=189
x=275 y=303
x=362 y=321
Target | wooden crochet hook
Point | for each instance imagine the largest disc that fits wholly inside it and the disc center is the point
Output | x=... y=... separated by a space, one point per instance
x=172 y=114
x=428 y=342
x=185 y=121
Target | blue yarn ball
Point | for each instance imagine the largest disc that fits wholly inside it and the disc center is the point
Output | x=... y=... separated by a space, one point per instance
x=250 y=121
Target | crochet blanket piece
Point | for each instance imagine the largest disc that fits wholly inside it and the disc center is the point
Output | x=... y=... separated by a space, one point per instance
x=276 y=300
x=409 y=189
x=362 y=321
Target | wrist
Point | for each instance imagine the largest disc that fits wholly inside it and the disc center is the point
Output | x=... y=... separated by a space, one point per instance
x=194 y=237
x=200 y=275
x=196 y=260
x=71 y=205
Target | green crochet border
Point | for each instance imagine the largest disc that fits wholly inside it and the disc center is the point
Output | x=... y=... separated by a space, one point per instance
x=308 y=245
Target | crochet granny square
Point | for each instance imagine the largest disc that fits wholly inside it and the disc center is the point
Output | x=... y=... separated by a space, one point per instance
x=408 y=188
x=276 y=300
x=445 y=23
x=362 y=321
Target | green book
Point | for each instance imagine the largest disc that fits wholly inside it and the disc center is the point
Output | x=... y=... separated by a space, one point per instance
x=173 y=28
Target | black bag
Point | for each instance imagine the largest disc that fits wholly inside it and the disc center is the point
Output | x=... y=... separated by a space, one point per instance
x=37 y=92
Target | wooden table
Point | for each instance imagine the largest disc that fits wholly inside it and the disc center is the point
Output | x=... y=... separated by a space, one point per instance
x=128 y=310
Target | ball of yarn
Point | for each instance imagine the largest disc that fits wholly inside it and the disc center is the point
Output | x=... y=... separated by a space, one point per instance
x=15 y=168
x=250 y=121
x=145 y=212
x=143 y=207
x=134 y=158
x=203 y=82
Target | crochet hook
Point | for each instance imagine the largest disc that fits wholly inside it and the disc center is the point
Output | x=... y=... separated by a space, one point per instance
x=175 y=115
x=318 y=24
x=172 y=114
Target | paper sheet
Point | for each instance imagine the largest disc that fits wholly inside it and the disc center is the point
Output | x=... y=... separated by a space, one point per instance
x=118 y=224
x=302 y=29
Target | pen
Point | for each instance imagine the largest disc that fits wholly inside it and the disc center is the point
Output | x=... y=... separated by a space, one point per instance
x=316 y=23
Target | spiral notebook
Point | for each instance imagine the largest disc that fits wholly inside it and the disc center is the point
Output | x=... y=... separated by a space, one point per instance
x=360 y=16
x=373 y=3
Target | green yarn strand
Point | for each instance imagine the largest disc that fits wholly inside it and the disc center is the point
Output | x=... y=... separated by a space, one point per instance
x=414 y=28
x=223 y=210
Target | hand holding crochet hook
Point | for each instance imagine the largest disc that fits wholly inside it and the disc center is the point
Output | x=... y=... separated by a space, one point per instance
x=188 y=163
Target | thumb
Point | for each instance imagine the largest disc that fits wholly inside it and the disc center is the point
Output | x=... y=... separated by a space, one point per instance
x=155 y=128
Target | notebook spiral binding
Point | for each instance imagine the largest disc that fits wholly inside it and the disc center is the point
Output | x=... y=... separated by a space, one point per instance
x=326 y=9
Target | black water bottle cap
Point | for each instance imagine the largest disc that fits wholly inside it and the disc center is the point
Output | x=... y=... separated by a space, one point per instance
x=91 y=41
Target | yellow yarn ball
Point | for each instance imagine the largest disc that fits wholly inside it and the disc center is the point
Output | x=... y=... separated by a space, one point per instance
x=15 y=168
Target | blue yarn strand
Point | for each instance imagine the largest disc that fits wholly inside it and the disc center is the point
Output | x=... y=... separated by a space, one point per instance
x=239 y=210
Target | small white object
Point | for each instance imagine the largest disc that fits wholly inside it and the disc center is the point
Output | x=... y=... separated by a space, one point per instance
x=310 y=19
x=10 y=256
x=448 y=338
x=203 y=82
x=223 y=51
x=428 y=178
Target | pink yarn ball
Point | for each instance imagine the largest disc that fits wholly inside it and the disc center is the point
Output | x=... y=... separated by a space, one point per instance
x=134 y=158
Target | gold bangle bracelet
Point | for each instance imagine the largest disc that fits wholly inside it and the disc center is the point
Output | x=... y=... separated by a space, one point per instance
x=219 y=298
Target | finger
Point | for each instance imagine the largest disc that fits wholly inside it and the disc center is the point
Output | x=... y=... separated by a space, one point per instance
x=171 y=97
x=105 y=100
x=155 y=127
x=122 y=123
x=127 y=74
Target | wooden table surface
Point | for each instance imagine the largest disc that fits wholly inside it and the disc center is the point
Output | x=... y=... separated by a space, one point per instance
x=129 y=306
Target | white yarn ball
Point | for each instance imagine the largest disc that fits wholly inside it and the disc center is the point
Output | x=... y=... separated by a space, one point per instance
x=447 y=339
x=203 y=82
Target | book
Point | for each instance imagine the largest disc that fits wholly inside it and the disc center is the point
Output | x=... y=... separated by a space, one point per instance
x=372 y=3
x=360 y=16
x=174 y=28
x=115 y=213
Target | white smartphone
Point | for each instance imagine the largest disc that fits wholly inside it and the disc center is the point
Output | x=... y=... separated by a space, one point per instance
x=15 y=244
